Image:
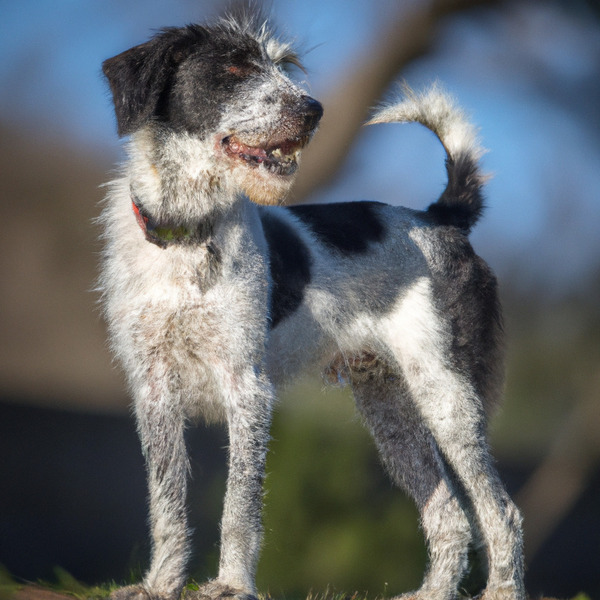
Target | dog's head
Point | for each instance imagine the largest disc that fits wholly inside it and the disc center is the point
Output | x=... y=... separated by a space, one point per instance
x=226 y=84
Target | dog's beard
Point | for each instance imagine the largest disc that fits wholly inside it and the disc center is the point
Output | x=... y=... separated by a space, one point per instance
x=264 y=187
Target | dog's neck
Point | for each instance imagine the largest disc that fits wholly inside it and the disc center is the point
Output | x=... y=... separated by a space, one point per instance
x=175 y=181
x=165 y=233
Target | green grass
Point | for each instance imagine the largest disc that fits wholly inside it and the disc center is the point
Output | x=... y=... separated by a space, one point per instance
x=63 y=583
x=66 y=584
x=7 y=584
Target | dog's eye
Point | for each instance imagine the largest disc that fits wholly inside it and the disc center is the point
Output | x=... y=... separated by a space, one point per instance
x=241 y=70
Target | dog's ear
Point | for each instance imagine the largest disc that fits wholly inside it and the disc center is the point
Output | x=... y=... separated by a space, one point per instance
x=140 y=77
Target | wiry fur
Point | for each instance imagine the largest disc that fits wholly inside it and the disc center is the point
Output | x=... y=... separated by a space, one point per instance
x=461 y=204
x=213 y=302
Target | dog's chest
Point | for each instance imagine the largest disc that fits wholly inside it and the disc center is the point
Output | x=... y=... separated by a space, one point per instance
x=166 y=300
x=192 y=307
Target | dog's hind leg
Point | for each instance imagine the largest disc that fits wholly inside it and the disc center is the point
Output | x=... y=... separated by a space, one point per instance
x=411 y=457
x=453 y=411
x=455 y=417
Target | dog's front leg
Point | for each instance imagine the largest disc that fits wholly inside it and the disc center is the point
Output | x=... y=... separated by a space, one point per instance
x=249 y=418
x=161 y=426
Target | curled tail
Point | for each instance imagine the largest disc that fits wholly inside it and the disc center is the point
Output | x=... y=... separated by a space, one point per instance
x=461 y=203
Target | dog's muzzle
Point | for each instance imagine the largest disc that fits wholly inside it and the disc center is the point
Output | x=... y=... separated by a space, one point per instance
x=278 y=152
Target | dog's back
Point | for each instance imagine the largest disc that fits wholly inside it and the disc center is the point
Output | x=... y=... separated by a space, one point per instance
x=343 y=266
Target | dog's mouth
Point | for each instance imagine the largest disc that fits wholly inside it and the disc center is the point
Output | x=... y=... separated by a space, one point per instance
x=280 y=158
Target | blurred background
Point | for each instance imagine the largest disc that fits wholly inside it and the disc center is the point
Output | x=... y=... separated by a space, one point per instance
x=72 y=490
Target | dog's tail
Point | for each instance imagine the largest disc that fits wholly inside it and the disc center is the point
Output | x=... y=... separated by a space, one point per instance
x=461 y=203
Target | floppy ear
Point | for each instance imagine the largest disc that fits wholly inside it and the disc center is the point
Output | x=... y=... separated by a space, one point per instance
x=139 y=77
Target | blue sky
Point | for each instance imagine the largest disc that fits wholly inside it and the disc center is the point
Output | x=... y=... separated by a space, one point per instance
x=529 y=79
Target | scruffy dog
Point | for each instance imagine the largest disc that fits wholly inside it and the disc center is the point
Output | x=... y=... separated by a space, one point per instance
x=215 y=298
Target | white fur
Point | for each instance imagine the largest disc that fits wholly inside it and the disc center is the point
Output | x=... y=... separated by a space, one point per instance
x=439 y=112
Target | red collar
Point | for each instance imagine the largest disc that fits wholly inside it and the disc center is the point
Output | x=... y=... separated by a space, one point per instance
x=160 y=234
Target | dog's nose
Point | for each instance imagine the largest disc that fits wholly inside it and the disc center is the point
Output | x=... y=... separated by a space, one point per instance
x=313 y=107
x=313 y=111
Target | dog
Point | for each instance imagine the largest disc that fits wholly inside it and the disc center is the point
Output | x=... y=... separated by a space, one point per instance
x=216 y=295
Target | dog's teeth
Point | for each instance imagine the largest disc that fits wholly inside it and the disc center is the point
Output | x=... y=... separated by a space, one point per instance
x=277 y=153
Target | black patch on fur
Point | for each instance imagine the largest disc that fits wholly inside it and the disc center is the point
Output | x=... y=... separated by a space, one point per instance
x=348 y=227
x=183 y=77
x=140 y=77
x=461 y=204
x=466 y=293
x=290 y=263
x=209 y=80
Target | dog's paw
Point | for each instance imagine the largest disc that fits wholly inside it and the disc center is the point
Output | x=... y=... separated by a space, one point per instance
x=130 y=592
x=139 y=592
x=215 y=590
x=422 y=595
x=509 y=593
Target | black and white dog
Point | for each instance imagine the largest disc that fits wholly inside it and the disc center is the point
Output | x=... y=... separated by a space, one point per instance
x=215 y=298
